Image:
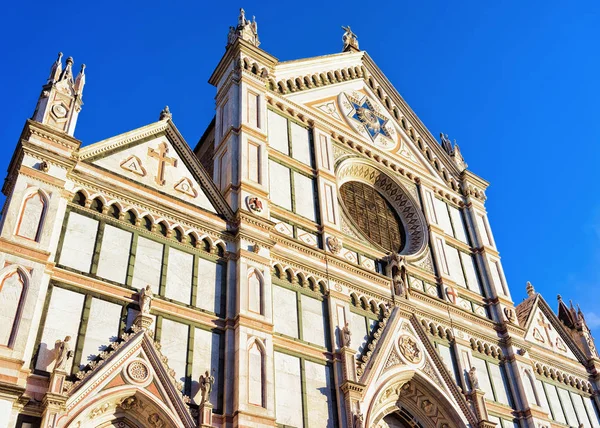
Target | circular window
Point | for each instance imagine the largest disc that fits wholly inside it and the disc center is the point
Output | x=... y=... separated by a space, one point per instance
x=373 y=215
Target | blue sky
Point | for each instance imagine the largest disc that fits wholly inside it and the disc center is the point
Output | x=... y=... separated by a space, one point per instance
x=517 y=87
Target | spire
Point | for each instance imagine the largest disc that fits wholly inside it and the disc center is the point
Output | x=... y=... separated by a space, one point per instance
x=245 y=30
x=453 y=152
x=80 y=81
x=350 y=40
x=530 y=289
x=165 y=114
x=56 y=69
x=60 y=101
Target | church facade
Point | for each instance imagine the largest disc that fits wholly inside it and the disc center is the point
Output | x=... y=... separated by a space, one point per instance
x=319 y=259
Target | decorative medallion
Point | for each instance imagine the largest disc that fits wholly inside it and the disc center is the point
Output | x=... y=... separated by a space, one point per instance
x=451 y=294
x=137 y=372
x=410 y=350
x=334 y=244
x=59 y=110
x=254 y=204
x=364 y=117
x=133 y=164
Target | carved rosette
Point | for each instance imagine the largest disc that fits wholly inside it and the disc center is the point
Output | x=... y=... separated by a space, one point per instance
x=410 y=350
x=137 y=372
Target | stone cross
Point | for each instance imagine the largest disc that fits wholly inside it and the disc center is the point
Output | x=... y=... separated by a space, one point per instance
x=163 y=159
x=546 y=327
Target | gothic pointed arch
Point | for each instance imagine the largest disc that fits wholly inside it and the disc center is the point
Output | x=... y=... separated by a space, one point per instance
x=33 y=212
x=256 y=373
x=14 y=282
x=255 y=291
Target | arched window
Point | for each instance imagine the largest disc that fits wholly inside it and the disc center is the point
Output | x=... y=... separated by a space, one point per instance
x=255 y=292
x=256 y=374
x=12 y=288
x=32 y=216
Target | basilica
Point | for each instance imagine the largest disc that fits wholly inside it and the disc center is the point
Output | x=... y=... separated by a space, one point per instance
x=317 y=259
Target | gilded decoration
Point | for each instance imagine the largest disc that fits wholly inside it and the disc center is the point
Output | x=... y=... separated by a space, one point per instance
x=364 y=117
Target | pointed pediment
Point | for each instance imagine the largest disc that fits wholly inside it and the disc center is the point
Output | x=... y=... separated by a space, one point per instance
x=157 y=157
x=403 y=351
x=544 y=330
x=351 y=91
x=133 y=378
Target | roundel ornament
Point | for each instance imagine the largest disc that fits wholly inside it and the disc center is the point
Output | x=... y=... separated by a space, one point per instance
x=366 y=119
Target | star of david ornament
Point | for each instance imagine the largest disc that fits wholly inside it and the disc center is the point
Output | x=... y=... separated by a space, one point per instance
x=365 y=118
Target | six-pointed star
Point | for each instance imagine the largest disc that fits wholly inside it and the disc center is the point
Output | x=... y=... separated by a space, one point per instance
x=373 y=122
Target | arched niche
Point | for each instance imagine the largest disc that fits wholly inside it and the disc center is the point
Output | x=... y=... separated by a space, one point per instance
x=31 y=218
x=255 y=291
x=256 y=373
x=13 y=287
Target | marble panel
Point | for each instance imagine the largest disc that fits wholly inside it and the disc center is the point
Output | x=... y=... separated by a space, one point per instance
x=358 y=327
x=148 y=264
x=483 y=377
x=496 y=277
x=483 y=230
x=568 y=407
x=255 y=292
x=500 y=385
x=207 y=349
x=174 y=345
x=210 y=285
x=304 y=194
x=460 y=232
x=288 y=390
x=78 y=243
x=278 y=132
x=468 y=262
x=554 y=401
x=446 y=355
x=313 y=321
x=280 y=186
x=180 y=270
x=541 y=393
x=580 y=408
x=319 y=398
x=102 y=329
x=285 y=311
x=114 y=254
x=62 y=319
x=456 y=272
x=592 y=413
x=256 y=377
x=301 y=144
x=441 y=213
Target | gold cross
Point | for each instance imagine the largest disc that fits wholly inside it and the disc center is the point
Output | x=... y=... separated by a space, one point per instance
x=160 y=155
x=546 y=326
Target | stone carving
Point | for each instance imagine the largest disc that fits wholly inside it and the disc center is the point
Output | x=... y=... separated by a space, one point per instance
x=409 y=349
x=346 y=335
x=155 y=421
x=64 y=353
x=256 y=248
x=145 y=297
x=398 y=271
x=473 y=379
x=129 y=403
x=453 y=152
x=359 y=420
x=334 y=244
x=43 y=166
x=452 y=295
x=206 y=385
x=350 y=39
x=138 y=371
x=160 y=154
x=245 y=30
x=165 y=114
x=509 y=313
x=254 y=204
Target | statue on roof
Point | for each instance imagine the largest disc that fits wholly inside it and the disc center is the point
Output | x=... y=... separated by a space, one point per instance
x=245 y=30
x=350 y=40
x=453 y=151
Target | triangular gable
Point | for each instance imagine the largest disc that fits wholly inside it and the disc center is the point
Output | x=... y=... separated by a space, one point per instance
x=327 y=84
x=404 y=345
x=543 y=329
x=134 y=377
x=156 y=156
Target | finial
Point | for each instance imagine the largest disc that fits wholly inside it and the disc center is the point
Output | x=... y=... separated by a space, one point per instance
x=66 y=74
x=530 y=289
x=245 y=30
x=165 y=114
x=69 y=60
x=56 y=69
x=80 y=80
x=350 y=40
x=559 y=297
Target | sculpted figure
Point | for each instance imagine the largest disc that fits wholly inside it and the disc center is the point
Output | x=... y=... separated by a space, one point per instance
x=473 y=379
x=64 y=354
x=346 y=335
x=358 y=420
x=349 y=38
x=206 y=386
x=145 y=297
